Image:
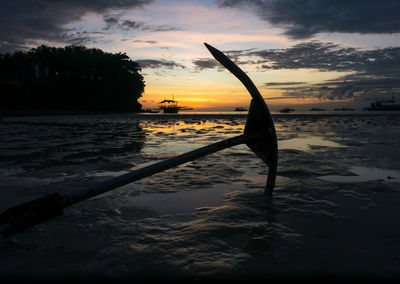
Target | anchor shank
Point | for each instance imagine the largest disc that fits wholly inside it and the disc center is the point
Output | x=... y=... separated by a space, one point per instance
x=29 y=214
x=158 y=167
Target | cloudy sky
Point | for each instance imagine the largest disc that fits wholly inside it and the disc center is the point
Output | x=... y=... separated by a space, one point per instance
x=311 y=53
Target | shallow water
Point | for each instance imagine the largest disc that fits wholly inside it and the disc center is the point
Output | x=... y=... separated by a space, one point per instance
x=208 y=217
x=304 y=143
x=366 y=174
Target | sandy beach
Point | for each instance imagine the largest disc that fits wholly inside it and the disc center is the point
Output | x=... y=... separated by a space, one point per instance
x=333 y=213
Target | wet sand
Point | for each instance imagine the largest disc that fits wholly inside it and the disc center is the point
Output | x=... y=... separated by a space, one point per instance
x=333 y=213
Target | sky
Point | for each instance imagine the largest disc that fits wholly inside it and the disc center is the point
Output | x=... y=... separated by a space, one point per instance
x=299 y=54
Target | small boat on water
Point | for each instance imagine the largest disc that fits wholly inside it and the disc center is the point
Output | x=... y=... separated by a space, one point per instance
x=317 y=109
x=171 y=106
x=241 y=109
x=384 y=105
x=286 y=110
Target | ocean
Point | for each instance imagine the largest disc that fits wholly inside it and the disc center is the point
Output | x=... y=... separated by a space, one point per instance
x=333 y=213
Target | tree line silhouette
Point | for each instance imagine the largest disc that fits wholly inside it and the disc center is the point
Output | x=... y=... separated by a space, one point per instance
x=72 y=78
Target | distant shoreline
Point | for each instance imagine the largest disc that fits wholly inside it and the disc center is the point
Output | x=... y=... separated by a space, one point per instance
x=19 y=113
x=210 y=114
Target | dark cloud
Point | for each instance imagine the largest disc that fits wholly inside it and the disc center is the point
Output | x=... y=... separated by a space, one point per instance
x=80 y=38
x=336 y=93
x=370 y=71
x=115 y=22
x=205 y=63
x=158 y=64
x=303 y=19
x=374 y=71
x=25 y=21
x=282 y=97
x=324 y=57
x=314 y=55
x=132 y=25
x=209 y=63
x=127 y=24
x=366 y=72
x=283 y=83
x=343 y=90
x=110 y=21
x=234 y=55
x=146 y=41
x=167 y=28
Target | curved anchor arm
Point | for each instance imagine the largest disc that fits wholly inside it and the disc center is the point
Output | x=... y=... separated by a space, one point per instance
x=259 y=120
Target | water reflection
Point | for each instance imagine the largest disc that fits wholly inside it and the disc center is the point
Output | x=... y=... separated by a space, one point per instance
x=304 y=143
x=182 y=202
x=179 y=136
x=201 y=126
x=38 y=151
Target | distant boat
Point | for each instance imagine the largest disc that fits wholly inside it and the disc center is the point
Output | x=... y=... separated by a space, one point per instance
x=171 y=106
x=286 y=110
x=344 y=108
x=240 y=109
x=317 y=109
x=384 y=105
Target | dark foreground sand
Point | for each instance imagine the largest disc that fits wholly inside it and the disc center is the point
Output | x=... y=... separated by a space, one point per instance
x=334 y=213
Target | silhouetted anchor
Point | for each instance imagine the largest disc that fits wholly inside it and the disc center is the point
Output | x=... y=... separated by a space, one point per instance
x=259 y=135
